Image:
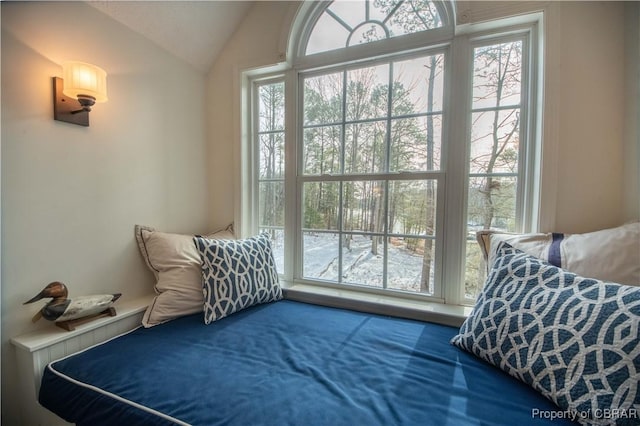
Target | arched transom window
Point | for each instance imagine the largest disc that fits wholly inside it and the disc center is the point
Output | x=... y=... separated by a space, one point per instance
x=348 y=23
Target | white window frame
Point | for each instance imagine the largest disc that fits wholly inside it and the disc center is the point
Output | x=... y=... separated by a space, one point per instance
x=524 y=28
x=451 y=226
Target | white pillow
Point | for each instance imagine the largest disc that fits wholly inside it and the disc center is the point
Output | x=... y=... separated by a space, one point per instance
x=175 y=262
x=608 y=255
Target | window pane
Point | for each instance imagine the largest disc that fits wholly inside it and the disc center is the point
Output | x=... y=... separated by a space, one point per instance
x=495 y=139
x=413 y=16
x=323 y=99
x=351 y=12
x=367 y=90
x=352 y=22
x=320 y=255
x=497 y=75
x=363 y=206
x=322 y=151
x=321 y=201
x=411 y=259
x=271 y=155
x=360 y=264
x=412 y=207
x=475 y=272
x=366 y=33
x=271 y=107
x=418 y=85
x=271 y=203
x=416 y=143
x=365 y=147
x=492 y=203
x=380 y=10
x=277 y=245
x=327 y=35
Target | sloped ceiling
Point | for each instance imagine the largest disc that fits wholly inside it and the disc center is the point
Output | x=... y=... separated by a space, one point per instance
x=194 y=31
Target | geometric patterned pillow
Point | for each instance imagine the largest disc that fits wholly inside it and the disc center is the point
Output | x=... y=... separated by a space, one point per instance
x=237 y=274
x=575 y=340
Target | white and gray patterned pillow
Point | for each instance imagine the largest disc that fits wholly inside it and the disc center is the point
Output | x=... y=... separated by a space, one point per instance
x=237 y=274
x=575 y=340
x=608 y=254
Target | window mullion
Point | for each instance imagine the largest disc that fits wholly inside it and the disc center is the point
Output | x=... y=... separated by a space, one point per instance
x=254 y=161
x=343 y=145
x=459 y=89
x=368 y=177
x=291 y=249
x=527 y=212
x=387 y=161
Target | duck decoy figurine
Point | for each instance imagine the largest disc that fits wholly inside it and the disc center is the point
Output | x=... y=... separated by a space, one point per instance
x=62 y=309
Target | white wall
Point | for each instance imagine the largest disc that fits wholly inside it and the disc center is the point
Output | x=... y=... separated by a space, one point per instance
x=259 y=41
x=583 y=183
x=632 y=108
x=591 y=107
x=71 y=195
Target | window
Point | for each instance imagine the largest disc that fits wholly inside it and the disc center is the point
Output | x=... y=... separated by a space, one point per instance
x=495 y=178
x=348 y=23
x=394 y=143
x=270 y=132
x=369 y=173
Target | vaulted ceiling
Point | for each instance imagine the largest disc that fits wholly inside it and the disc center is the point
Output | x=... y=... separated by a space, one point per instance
x=194 y=31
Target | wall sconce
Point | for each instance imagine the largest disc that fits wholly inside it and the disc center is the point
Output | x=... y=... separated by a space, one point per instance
x=80 y=88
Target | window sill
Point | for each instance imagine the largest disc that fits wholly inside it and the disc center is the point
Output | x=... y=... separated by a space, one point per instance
x=452 y=315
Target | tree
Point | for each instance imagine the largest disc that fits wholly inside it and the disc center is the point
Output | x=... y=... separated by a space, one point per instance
x=495 y=143
x=499 y=68
x=271 y=155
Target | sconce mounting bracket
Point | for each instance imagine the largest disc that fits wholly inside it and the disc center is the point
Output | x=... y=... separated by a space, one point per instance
x=65 y=108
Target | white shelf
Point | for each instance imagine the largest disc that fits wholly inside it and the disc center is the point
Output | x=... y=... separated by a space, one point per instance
x=36 y=349
x=53 y=334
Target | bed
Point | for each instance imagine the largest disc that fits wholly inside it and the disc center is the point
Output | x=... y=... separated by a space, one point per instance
x=286 y=363
x=220 y=346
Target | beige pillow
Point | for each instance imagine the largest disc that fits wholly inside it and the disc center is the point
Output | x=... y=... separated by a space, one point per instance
x=176 y=264
x=609 y=255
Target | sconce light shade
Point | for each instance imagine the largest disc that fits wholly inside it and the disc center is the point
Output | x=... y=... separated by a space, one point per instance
x=83 y=83
x=82 y=79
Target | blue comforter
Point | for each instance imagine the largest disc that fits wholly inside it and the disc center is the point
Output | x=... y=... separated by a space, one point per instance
x=287 y=363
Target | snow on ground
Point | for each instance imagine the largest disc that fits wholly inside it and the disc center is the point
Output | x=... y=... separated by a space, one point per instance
x=360 y=266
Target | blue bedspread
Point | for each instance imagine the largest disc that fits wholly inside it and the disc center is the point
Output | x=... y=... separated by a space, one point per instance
x=287 y=363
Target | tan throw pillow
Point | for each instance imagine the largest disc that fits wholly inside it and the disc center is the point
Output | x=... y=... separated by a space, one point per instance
x=609 y=255
x=175 y=262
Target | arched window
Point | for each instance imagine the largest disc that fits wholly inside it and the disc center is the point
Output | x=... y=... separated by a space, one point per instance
x=389 y=142
x=348 y=23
